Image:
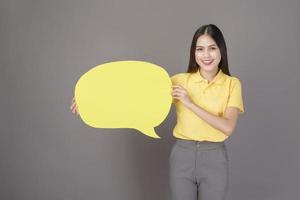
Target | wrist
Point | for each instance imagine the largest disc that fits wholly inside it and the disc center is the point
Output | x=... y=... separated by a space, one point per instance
x=189 y=104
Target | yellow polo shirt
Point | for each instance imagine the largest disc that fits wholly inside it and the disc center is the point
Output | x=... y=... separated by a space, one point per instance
x=222 y=92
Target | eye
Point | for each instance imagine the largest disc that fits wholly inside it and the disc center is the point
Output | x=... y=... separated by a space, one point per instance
x=199 y=49
x=213 y=48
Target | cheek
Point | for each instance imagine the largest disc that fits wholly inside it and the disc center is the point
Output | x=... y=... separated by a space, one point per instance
x=197 y=56
x=217 y=56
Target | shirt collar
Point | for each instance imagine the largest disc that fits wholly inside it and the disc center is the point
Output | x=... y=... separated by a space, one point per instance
x=197 y=78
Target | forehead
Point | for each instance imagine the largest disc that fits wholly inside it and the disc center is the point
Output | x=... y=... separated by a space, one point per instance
x=205 y=40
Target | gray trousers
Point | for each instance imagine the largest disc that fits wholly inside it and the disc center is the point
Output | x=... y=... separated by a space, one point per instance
x=198 y=170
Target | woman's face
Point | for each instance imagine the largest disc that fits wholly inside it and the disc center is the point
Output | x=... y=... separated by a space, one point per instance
x=207 y=54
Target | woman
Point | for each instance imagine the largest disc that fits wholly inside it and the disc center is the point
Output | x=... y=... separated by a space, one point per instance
x=208 y=101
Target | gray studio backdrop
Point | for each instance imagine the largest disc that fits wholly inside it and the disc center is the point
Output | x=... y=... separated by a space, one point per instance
x=48 y=153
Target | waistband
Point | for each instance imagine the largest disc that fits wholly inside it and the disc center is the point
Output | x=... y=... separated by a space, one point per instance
x=205 y=145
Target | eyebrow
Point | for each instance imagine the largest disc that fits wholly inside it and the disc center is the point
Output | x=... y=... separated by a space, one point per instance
x=208 y=46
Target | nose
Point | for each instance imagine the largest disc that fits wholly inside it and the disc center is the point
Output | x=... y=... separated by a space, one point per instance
x=206 y=54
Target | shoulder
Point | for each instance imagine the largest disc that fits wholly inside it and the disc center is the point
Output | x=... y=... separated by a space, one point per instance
x=233 y=83
x=179 y=77
x=232 y=80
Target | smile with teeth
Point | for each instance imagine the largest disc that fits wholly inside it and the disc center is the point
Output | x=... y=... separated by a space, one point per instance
x=207 y=62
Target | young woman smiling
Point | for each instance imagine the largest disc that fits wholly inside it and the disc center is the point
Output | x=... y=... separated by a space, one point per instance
x=208 y=101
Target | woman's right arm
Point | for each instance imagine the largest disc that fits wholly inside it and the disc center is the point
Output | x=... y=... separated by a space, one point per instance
x=74 y=107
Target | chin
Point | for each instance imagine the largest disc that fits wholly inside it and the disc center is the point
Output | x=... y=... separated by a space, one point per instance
x=209 y=68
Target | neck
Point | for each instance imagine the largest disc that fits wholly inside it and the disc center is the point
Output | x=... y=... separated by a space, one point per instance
x=209 y=76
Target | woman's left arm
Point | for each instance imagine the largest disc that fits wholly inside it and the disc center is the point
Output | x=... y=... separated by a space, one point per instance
x=226 y=123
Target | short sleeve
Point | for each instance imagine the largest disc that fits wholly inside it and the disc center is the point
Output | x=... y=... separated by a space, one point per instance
x=177 y=79
x=235 y=96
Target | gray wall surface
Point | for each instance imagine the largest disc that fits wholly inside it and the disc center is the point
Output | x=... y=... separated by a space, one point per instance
x=48 y=153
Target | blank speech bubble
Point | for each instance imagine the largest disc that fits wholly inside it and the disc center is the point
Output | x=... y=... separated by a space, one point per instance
x=124 y=94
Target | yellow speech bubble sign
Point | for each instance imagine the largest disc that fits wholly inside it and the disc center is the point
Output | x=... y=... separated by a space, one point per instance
x=124 y=94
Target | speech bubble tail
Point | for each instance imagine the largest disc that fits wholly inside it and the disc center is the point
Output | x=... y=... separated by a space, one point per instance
x=149 y=132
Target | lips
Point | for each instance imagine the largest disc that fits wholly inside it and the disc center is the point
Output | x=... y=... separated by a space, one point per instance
x=207 y=62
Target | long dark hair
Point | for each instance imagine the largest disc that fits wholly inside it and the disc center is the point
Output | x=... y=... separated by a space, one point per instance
x=215 y=33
